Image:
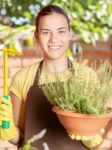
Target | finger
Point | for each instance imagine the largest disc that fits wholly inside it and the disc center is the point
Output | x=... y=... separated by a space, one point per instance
x=6 y=108
x=1 y=100
x=5 y=119
x=0 y=123
x=5 y=115
x=2 y=118
x=7 y=102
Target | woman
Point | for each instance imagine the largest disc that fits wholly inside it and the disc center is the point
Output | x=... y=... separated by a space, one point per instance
x=31 y=110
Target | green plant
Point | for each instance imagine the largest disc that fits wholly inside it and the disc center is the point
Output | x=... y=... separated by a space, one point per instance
x=13 y=37
x=91 y=20
x=77 y=96
x=29 y=142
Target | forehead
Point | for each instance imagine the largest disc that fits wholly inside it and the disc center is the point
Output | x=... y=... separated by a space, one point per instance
x=53 y=21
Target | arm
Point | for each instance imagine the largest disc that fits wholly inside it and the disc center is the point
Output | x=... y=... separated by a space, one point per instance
x=22 y=80
x=18 y=110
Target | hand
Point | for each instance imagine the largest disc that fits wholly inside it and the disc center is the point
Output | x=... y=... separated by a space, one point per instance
x=93 y=141
x=6 y=114
x=89 y=142
x=107 y=141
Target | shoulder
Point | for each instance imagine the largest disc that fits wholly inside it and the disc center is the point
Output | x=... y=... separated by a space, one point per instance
x=22 y=80
x=26 y=70
x=24 y=75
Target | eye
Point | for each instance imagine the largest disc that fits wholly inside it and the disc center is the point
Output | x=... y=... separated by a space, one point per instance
x=45 y=32
x=62 y=32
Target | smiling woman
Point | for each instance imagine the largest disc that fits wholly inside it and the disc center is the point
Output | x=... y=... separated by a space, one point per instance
x=31 y=110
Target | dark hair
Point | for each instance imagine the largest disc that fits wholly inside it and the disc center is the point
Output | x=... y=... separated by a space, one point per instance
x=48 y=10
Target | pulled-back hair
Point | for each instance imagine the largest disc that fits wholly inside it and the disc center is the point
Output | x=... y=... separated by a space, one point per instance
x=48 y=10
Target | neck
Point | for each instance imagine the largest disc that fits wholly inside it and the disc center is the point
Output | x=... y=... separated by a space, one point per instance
x=58 y=65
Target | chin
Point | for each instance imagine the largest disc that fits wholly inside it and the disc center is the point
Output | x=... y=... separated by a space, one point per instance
x=56 y=57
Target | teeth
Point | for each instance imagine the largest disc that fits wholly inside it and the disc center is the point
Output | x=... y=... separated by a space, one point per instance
x=54 y=47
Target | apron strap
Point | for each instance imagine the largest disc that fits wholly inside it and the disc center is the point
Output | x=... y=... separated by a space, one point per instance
x=39 y=69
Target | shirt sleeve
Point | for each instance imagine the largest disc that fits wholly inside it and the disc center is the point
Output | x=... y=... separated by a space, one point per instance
x=17 y=83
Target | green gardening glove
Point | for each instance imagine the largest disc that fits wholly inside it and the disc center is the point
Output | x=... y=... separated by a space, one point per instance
x=6 y=113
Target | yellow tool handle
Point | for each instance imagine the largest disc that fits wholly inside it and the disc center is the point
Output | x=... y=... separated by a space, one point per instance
x=5 y=124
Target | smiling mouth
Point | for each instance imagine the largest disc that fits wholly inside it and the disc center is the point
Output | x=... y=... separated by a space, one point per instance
x=54 y=47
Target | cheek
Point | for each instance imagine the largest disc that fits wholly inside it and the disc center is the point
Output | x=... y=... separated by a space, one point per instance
x=66 y=41
x=41 y=41
x=67 y=38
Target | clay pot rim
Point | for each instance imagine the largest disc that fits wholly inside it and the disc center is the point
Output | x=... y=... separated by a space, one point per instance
x=59 y=111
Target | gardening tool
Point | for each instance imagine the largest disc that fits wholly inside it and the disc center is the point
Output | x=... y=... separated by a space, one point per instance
x=7 y=51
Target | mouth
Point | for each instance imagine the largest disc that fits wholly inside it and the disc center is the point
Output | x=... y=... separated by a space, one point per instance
x=54 y=47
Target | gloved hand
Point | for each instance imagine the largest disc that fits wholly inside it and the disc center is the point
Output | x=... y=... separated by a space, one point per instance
x=89 y=142
x=7 y=115
x=93 y=141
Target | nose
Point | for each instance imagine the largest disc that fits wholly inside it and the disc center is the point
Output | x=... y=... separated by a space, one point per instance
x=53 y=37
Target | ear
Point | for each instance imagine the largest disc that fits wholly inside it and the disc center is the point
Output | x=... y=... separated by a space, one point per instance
x=35 y=35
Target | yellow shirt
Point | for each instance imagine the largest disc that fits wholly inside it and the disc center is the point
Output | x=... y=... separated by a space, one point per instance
x=25 y=77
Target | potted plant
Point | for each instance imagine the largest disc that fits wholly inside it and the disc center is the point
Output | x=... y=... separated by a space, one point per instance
x=81 y=108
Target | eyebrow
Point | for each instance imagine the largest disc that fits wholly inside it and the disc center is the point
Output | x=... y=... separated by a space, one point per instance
x=60 y=28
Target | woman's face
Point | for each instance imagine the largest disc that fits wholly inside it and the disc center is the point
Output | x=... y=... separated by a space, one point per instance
x=53 y=36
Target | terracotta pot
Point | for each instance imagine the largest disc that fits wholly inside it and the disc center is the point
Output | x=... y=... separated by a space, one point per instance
x=81 y=124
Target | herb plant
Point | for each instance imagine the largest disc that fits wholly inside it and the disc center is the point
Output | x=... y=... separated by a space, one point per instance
x=77 y=96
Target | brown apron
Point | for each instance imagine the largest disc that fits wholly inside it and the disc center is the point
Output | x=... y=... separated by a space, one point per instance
x=39 y=116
